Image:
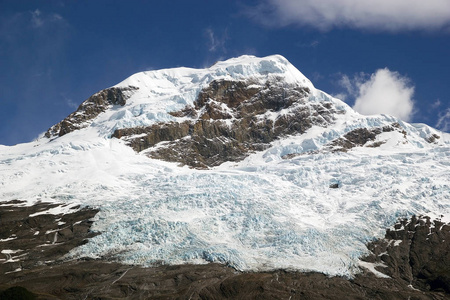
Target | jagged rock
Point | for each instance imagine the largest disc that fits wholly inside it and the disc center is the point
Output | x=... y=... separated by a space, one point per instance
x=229 y=119
x=361 y=136
x=90 y=109
x=416 y=251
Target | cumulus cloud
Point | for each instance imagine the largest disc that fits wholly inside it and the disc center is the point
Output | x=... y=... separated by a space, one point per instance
x=390 y=15
x=386 y=92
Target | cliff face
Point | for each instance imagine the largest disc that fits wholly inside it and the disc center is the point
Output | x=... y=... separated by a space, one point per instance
x=229 y=119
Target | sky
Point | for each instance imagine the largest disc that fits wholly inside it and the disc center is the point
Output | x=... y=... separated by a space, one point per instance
x=385 y=56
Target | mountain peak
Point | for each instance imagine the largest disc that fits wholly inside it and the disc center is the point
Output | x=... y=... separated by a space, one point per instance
x=153 y=96
x=244 y=163
x=205 y=117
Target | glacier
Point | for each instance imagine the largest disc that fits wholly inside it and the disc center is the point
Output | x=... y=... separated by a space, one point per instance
x=262 y=213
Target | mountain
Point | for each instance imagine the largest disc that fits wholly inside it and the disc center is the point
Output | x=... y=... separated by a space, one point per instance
x=244 y=163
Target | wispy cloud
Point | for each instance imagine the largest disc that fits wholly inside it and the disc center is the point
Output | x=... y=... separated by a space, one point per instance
x=69 y=102
x=32 y=45
x=215 y=42
x=381 y=15
x=36 y=19
x=39 y=19
x=436 y=104
x=384 y=92
x=311 y=44
x=347 y=84
x=443 y=122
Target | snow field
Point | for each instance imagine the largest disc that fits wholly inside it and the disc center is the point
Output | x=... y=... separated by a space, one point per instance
x=252 y=215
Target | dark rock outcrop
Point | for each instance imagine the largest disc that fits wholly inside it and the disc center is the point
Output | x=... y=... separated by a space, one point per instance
x=433 y=138
x=362 y=136
x=17 y=293
x=90 y=109
x=416 y=251
x=230 y=119
x=415 y=254
x=358 y=137
x=28 y=240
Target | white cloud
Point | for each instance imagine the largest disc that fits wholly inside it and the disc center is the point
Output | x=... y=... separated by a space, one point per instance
x=69 y=102
x=311 y=44
x=390 y=15
x=443 y=122
x=36 y=19
x=41 y=19
x=341 y=96
x=215 y=42
x=436 y=104
x=347 y=84
x=385 y=92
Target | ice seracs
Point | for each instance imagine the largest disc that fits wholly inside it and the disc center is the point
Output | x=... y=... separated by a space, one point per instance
x=271 y=208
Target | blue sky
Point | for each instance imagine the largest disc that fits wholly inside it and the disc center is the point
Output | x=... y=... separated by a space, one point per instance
x=391 y=57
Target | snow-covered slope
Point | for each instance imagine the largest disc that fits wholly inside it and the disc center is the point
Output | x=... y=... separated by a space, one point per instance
x=273 y=209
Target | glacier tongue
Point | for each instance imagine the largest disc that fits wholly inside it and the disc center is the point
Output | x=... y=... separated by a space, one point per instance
x=274 y=209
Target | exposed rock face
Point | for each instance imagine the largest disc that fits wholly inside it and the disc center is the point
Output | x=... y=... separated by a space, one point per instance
x=90 y=109
x=28 y=240
x=433 y=138
x=230 y=119
x=417 y=251
x=362 y=136
x=358 y=137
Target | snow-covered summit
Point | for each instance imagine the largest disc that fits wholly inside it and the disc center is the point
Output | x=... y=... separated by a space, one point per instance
x=152 y=95
x=155 y=97
x=240 y=68
x=288 y=176
x=167 y=90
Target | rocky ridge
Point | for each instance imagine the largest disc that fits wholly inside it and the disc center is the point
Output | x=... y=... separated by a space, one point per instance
x=91 y=108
